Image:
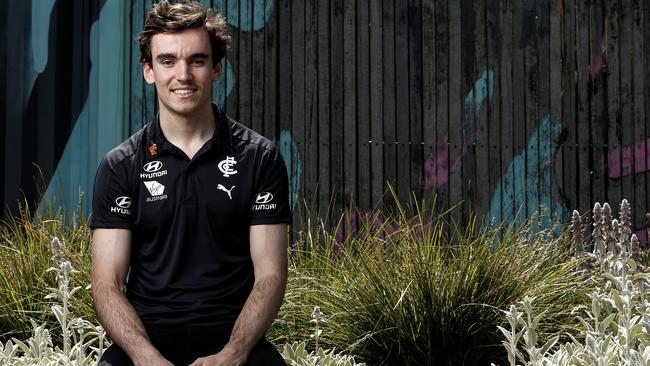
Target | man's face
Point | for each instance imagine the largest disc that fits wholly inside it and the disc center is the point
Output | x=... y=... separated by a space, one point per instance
x=181 y=68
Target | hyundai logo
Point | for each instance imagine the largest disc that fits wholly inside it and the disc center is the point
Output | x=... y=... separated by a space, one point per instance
x=264 y=197
x=124 y=201
x=152 y=166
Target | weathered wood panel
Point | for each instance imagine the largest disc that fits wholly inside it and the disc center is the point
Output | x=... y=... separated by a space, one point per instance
x=504 y=107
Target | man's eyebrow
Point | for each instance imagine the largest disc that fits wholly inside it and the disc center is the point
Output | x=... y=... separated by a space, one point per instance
x=167 y=56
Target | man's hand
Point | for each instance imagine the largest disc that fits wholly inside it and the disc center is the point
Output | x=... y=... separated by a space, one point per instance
x=227 y=357
x=156 y=360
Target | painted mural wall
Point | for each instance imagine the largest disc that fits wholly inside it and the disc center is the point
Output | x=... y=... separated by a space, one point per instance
x=512 y=108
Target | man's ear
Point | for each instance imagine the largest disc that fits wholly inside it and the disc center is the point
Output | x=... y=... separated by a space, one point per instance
x=147 y=72
x=216 y=71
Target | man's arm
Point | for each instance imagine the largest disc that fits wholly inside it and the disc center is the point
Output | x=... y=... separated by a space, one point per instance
x=110 y=262
x=268 y=246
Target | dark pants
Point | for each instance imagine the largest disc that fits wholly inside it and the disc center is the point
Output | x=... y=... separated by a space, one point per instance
x=183 y=345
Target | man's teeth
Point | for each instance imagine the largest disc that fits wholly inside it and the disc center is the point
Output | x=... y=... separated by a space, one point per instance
x=183 y=91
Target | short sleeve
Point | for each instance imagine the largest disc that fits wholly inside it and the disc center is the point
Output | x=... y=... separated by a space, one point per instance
x=112 y=204
x=271 y=195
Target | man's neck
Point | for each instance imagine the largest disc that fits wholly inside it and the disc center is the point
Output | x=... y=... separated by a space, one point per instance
x=188 y=133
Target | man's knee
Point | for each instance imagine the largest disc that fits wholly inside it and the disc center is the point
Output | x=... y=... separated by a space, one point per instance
x=115 y=356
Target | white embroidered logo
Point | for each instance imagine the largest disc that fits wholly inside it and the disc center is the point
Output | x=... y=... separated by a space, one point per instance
x=152 y=166
x=226 y=166
x=222 y=188
x=264 y=197
x=154 y=188
x=124 y=201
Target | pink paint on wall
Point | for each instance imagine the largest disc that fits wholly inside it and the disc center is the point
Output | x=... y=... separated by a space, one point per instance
x=627 y=160
x=438 y=168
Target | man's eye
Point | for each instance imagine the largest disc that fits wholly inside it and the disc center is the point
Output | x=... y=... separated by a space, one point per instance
x=166 y=62
x=197 y=62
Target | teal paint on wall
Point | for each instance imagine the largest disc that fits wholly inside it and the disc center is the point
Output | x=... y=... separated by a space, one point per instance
x=536 y=189
x=99 y=127
x=243 y=17
x=41 y=11
x=222 y=88
x=291 y=156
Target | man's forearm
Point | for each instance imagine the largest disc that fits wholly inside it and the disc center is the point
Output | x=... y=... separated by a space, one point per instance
x=122 y=323
x=258 y=313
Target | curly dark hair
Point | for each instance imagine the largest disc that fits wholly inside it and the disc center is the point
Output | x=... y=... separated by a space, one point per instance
x=167 y=17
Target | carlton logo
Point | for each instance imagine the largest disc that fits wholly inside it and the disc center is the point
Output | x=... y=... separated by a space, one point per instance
x=226 y=166
x=124 y=205
x=152 y=166
x=264 y=197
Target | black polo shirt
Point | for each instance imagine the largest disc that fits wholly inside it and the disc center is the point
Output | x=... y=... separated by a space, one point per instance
x=190 y=218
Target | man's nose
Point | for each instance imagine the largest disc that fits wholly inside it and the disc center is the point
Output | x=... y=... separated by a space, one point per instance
x=183 y=71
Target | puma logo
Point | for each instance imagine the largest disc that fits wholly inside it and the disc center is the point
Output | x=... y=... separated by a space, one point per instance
x=222 y=188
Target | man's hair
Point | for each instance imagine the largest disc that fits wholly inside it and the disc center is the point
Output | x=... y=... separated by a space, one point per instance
x=165 y=17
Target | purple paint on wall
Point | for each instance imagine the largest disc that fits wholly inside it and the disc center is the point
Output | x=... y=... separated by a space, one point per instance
x=437 y=169
x=627 y=160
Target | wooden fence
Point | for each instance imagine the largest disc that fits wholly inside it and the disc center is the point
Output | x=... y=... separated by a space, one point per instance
x=503 y=105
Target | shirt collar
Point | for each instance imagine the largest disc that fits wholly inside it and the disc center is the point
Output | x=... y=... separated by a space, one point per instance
x=221 y=140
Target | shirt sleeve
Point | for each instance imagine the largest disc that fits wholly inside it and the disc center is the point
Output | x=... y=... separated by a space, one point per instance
x=271 y=195
x=113 y=203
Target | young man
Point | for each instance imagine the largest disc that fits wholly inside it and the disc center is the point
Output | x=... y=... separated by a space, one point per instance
x=195 y=208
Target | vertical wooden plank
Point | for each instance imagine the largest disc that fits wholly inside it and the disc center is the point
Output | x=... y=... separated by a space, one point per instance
x=555 y=67
x=493 y=141
x=402 y=126
x=627 y=102
x=440 y=167
x=257 y=60
x=613 y=162
x=3 y=101
x=455 y=121
x=465 y=148
x=516 y=203
x=428 y=96
x=336 y=89
x=349 y=103
x=138 y=85
x=506 y=109
x=312 y=143
x=324 y=105
x=547 y=140
x=18 y=14
x=584 y=93
x=244 y=83
x=364 y=116
x=389 y=95
x=531 y=100
x=639 y=131
x=597 y=103
x=481 y=110
x=231 y=106
x=415 y=145
x=150 y=104
x=299 y=122
x=376 y=103
x=276 y=33
x=569 y=117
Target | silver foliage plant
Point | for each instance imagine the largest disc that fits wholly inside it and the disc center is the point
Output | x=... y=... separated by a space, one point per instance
x=296 y=354
x=616 y=319
x=83 y=342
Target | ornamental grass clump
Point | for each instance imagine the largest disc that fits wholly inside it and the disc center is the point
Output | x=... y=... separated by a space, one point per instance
x=412 y=288
x=615 y=315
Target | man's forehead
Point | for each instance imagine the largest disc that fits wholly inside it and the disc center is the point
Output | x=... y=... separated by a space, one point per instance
x=194 y=40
